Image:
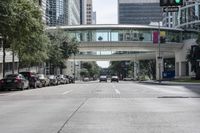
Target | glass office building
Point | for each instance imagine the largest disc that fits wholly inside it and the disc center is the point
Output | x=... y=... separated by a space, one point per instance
x=139 y=11
x=63 y=12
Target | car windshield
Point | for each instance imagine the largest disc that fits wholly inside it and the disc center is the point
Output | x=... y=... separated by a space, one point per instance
x=102 y=76
x=40 y=76
x=11 y=76
x=114 y=77
x=51 y=77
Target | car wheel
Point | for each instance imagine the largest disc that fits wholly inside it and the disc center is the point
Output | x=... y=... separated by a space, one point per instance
x=22 y=87
x=35 y=85
x=28 y=87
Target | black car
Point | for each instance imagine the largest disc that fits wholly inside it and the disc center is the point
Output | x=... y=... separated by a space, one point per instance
x=114 y=79
x=14 y=82
x=103 y=78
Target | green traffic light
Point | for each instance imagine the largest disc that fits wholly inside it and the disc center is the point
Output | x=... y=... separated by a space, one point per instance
x=178 y=1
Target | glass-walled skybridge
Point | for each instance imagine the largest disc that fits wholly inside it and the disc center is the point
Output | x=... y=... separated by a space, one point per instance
x=128 y=38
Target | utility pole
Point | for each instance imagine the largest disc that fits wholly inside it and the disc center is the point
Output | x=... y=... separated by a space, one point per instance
x=159 y=54
x=74 y=69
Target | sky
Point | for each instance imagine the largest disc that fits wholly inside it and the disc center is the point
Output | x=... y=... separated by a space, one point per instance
x=106 y=14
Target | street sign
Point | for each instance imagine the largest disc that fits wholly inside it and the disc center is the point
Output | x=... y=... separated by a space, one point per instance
x=170 y=9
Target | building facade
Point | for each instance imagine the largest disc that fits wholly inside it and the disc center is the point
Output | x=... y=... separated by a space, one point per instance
x=188 y=16
x=63 y=12
x=139 y=11
x=87 y=16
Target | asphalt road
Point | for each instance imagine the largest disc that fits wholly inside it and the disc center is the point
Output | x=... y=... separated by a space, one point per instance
x=92 y=107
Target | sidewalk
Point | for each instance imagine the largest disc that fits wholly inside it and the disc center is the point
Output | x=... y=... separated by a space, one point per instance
x=168 y=82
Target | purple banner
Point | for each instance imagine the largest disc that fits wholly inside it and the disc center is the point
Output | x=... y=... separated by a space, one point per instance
x=155 y=37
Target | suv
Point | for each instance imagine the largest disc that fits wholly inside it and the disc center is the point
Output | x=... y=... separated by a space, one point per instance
x=103 y=78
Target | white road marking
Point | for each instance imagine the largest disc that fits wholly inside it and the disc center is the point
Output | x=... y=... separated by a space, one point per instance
x=66 y=92
x=117 y=91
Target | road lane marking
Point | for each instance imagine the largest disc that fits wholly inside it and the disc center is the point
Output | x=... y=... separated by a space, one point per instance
x=66 y=92
x=117 y=91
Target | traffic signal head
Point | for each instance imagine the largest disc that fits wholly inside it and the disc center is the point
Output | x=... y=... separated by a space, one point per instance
x=171 y=2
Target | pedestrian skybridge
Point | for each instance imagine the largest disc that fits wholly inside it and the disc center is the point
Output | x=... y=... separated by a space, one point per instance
x=97 y=39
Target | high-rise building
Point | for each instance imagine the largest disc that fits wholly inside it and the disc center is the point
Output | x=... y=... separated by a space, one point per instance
x=94 y=18
x=63 y=12
x=188 y=16
x=139 y=11
x=43 y=6
x=86 y=12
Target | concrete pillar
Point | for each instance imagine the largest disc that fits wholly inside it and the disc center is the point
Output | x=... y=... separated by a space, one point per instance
x=177 y=70
x=136 y=69
x=159 y=67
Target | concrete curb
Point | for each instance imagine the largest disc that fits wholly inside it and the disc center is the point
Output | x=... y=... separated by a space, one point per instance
x=168 y=83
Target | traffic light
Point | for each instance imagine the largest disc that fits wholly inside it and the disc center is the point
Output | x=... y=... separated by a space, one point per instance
x=171 y=2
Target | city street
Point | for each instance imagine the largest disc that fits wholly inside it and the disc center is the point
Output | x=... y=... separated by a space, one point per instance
x=93 y=107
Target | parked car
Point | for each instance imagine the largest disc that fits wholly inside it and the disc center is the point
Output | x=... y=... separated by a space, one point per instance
x=86 y=79
x=34 y=82
x=43 y=79
x=114 y=78
x=128 y=79
x=70 y=78
x=14 y=82
x=53 y=80
x=62 y=79
x=103 y=78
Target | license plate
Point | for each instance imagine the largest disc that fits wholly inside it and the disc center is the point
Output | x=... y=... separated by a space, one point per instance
x=9 y=81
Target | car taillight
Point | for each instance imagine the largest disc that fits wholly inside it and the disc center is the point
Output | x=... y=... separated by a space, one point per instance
x=17 y=80
x=2 y=81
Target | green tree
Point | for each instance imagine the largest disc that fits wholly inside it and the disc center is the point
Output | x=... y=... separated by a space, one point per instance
x=23 y=30
x=62 y=47
x=192 y=57
x=6 y=13
x=92 y=68
x=148 y=68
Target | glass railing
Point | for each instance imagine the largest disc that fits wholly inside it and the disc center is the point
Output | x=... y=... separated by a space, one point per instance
x=127 y=35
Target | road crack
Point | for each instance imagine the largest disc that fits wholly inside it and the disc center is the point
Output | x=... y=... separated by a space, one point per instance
x=70 y=117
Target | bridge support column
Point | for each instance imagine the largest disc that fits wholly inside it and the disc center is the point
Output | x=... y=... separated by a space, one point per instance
x=159 y=66
x=136 y=69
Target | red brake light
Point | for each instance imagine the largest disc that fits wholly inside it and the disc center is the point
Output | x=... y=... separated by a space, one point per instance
x=17 y=80
x=2 y=81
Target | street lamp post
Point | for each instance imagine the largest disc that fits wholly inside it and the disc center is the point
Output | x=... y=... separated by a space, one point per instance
x=159 y=54
x=74 y=69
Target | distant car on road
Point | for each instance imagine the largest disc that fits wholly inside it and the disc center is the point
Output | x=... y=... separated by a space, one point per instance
x=103 y=78
x=14 y=82
x=114 y=79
